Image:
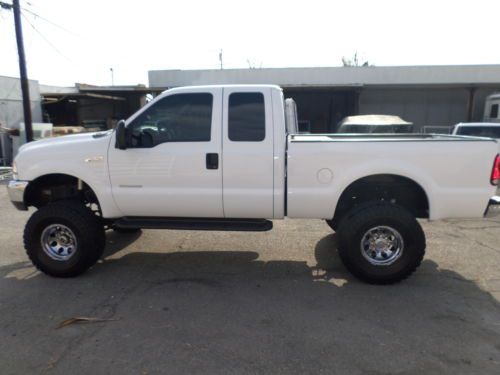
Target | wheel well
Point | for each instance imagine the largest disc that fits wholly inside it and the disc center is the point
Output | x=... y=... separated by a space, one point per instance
x=384 y=187
x=56 y=187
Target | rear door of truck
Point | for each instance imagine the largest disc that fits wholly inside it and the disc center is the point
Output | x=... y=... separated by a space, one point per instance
x=247 y=152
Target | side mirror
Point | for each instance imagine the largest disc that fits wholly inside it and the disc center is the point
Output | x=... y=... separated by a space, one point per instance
x=121 y=135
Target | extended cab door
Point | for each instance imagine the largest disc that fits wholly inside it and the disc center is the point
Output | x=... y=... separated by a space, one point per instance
x=172 y=164
x=247 y=152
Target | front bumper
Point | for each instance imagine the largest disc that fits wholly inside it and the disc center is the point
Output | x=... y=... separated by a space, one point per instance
x=493 y=208
x=16 y=189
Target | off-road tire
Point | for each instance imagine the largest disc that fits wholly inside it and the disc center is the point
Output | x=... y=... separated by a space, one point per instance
x=86 y=227
x=357 y=222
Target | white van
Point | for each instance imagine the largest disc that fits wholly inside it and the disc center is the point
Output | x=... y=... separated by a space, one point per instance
x=491 y=108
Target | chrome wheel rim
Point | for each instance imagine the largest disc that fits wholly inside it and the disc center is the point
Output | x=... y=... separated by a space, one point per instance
x=59 y=242
x=382 y=245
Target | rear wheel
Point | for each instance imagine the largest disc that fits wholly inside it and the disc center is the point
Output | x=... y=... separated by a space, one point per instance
x=64 y=239
x=381 y=243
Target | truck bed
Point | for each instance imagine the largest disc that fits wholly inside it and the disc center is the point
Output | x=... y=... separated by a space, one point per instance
x=453 y=171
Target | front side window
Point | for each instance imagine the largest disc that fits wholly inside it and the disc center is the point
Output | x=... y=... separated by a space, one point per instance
x=247 y=118
x=175 y=118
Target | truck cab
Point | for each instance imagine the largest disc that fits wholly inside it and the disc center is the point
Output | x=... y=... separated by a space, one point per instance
x=203 y=152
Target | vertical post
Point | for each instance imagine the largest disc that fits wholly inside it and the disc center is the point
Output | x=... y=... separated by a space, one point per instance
x=220 y=60
x=357 y=94
x=22 y=71
x=471 y=103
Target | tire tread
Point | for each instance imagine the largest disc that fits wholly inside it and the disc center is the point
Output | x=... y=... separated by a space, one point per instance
x=88 y=225
x=355 y=219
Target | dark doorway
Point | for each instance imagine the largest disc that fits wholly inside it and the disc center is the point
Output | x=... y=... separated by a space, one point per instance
x=320 y=110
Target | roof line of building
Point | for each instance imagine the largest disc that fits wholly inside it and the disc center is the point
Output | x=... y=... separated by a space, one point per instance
x=331 y=67
x=463 y=75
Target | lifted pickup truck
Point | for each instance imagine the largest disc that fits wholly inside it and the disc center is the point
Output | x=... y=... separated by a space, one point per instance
x=230 y=158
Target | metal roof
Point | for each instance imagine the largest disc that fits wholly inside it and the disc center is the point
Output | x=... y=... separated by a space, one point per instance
x=57 y=97
x=48 y=90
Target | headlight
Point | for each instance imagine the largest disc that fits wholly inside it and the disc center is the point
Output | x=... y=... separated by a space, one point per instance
x=14 y=171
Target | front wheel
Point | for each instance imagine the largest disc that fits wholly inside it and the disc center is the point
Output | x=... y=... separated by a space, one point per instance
x=64 y=239
x=381 y=243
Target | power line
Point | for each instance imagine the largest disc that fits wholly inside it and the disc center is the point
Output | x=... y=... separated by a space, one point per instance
x=5 y=5
x=44 y=38
x=15 y=84
x=49 y=21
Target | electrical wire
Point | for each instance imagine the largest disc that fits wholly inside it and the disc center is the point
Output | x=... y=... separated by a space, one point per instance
x=44 y=38
x=15 y=85
x=48 y=21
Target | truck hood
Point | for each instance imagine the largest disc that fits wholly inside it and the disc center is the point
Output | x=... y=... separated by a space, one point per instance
x=79 y=140
x=79 y=155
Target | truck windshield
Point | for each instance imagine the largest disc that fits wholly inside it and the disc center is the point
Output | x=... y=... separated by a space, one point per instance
x=480 y=131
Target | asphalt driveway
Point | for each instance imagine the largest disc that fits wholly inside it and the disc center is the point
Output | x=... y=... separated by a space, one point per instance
x=280 y=302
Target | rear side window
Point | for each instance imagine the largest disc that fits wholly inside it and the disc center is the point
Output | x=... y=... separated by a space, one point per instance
x=247 y=119
x=494 y=111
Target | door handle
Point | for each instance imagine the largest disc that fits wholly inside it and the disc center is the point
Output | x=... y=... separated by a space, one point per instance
x=212 y=161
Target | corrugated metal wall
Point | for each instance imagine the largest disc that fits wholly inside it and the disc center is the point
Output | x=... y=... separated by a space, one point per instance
x=11 y=103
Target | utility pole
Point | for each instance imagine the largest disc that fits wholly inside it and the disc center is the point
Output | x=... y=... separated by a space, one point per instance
x=28 y=125
x=220 y=59
x=112 y=76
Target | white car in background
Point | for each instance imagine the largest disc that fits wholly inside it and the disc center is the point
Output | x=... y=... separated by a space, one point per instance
x=478 y=129
x=374 y=124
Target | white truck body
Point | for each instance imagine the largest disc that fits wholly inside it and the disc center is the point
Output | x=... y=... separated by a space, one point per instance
x=171 y=178
x=230 y=158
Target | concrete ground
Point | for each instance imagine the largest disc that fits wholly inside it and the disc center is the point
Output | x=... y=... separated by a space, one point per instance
x=278 y=302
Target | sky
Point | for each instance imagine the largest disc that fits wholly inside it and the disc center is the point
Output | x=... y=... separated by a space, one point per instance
x=85 y=39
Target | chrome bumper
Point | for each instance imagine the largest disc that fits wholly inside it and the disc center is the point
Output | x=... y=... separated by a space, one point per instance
x=493 y=208
x=16 y=189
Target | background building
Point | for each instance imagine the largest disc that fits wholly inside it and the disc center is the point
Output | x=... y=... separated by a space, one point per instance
x=12 y=114
x=432 y=97
x=92 y=106
x=11 y=101
x=70 y=109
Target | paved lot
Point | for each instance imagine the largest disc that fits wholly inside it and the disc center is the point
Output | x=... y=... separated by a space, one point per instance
x=275 y=303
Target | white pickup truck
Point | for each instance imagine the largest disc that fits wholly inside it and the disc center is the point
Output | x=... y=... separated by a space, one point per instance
x=478 y=129
x=230 y=158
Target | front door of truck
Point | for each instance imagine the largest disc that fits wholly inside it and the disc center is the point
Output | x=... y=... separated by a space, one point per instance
x=172 y=165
